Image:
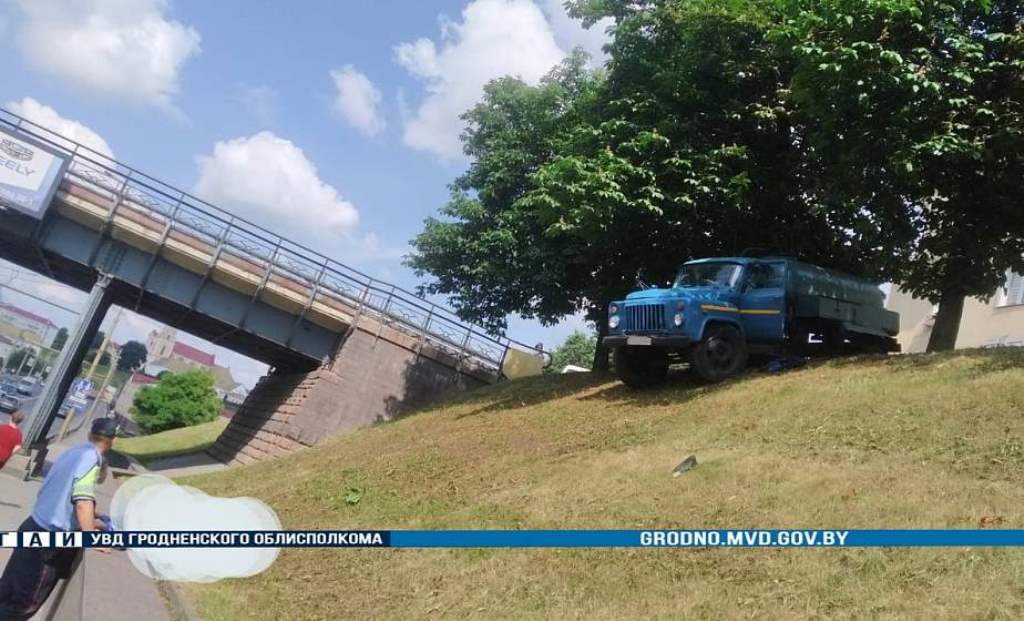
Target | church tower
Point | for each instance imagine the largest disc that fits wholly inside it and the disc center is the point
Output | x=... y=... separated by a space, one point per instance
x=160 y=343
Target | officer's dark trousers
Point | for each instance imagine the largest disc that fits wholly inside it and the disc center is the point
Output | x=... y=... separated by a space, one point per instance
x=30 y=576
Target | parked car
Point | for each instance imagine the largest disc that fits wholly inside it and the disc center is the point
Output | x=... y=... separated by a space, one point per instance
x=9 y=401
x=720 y=310
x=26 y=386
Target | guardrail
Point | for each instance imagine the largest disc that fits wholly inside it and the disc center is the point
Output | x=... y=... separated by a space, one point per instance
x=275 y=255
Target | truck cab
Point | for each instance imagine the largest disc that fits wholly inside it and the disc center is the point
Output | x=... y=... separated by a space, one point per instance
x=718 y=311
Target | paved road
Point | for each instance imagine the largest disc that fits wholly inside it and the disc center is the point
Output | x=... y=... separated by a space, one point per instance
x=28 y=402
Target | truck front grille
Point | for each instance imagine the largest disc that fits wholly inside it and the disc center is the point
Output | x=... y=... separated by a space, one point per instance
x=644 y=317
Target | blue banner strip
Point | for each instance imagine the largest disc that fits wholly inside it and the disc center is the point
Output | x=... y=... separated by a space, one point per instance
x=682 y=538
x=704 y=538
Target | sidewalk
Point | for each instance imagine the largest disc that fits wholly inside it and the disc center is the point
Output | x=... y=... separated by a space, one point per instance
x=114 y=589
x=184 y=465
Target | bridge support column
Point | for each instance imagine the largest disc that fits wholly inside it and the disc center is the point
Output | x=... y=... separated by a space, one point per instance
x=68 y=362
x=377 y=375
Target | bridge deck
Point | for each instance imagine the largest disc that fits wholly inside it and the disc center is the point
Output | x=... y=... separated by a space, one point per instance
x=122 y=204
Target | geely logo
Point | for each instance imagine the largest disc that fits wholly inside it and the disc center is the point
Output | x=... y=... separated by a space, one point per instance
x=15 y=150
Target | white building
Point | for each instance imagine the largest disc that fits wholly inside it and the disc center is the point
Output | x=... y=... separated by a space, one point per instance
x=996 y=323
x=22 y=325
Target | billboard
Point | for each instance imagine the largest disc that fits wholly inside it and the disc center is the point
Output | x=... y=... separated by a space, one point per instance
x=29 y=173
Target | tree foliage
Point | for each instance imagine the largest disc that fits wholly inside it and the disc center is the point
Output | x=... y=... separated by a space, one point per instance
x=916 y=112
x=17 y=357
x=94 y=350
x=178 y=400
x=577 y=349
x=133 y=355
x=60 y=339
x=488 y=252
x=881 y=138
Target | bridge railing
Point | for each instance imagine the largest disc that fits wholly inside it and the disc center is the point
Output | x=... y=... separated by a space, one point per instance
x=153 y=203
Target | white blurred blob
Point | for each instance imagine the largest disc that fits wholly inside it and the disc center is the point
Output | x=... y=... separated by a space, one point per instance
x=155 y=503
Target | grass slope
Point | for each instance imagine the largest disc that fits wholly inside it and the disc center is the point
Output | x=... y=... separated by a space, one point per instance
x=173 y=442
x=903 y=442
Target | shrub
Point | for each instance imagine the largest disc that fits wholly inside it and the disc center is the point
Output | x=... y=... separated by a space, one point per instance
x=178 y=400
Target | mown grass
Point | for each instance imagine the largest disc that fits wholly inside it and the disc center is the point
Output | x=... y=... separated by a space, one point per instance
x=173 y=442
x=931 y=441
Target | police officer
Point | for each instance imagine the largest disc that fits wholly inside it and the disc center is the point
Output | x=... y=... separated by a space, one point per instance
x=66 y=502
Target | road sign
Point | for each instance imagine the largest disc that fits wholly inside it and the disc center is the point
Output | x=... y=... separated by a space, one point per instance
x=81 y=386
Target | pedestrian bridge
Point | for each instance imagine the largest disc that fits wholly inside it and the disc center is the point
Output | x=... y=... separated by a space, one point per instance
x=190 y=265
x=346 y=348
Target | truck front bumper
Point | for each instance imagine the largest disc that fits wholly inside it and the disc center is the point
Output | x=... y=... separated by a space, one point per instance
x=646 y=340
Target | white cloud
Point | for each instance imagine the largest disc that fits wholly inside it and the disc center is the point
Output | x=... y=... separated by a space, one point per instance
x=120 y=48
x=357 y=100
x=270 y=181
x=570 y=33
x=47 y=117
x=494 y=38
x=419 y=57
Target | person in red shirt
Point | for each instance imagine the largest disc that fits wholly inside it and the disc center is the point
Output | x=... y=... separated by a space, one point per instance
x=10 y=437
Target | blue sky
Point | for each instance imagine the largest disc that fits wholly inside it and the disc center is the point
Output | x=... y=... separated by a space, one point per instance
x=334 y=123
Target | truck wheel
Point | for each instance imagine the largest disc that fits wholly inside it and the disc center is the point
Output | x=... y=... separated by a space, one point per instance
x=722 y=353
x=641 y=367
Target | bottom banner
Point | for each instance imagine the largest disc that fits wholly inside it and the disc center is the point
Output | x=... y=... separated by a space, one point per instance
x=677 y=538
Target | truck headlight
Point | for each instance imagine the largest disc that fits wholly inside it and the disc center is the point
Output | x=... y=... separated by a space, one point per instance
x=614 y=308
x=678 y=319
x=613 y=322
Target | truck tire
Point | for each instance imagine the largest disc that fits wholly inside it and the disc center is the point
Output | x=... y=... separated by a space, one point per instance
x=722 y=353
x=641 y=367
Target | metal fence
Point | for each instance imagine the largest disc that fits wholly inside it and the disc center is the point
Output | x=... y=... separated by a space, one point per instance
x=324 y=278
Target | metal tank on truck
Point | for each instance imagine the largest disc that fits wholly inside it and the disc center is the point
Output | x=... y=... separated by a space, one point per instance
x=719 y=311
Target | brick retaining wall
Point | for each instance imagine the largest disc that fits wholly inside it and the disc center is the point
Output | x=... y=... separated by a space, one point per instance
x=378 y=374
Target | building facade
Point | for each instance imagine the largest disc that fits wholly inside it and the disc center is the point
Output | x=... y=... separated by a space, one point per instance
x=22 y=325
x=163 y=344
x=166 y=353
x=999 y=322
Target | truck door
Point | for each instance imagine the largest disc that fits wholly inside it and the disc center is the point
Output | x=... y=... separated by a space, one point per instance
x=763 y=301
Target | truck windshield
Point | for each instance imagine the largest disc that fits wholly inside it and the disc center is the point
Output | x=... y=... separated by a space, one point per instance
x=708 y=274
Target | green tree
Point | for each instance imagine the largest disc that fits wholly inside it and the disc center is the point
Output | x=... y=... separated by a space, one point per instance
x=94 y=349
x=487 y=252
x=133 y=355
x=17 y=357
x=178 y=400
x=684 y=146
x=60 y=339
x=915 y=110
x=577 y=349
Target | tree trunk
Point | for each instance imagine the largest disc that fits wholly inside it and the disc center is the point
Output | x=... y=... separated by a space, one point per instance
x=601 y=351
x=947 y=322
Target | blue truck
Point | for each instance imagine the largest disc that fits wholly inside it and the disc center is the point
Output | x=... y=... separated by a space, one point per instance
x=720 y=311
